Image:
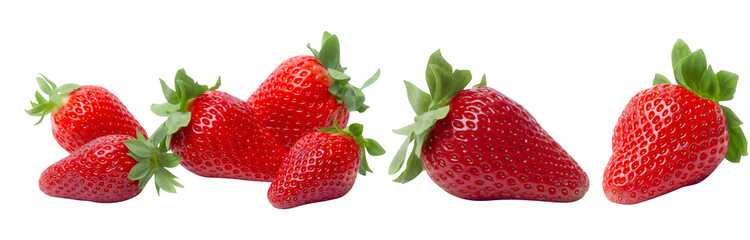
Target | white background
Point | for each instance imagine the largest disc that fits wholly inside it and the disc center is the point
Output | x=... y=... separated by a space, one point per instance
x=573 y=64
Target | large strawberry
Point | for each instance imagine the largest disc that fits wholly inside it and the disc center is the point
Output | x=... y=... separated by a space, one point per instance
x=82 y=113
x=322 y=166
x=478 y=144
x=97 y=171
x=306 y=93
x=216 y=134
x=671 y=136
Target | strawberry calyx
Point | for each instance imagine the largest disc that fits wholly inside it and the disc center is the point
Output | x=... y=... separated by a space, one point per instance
x=366 y=145
x=44 y=106
x=329 y=56
x=444 y=82
x=153 y=155
x=153 y=160
x=692 y=72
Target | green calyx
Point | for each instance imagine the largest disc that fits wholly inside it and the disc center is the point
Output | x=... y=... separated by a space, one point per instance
x=44 y=106
x=153 y=155
x=444 y=82
x=692 y=72
x=153 y=160
x=366 y=145
x=329 y=56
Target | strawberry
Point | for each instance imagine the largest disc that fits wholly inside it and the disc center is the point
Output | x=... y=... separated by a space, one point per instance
x=97 y=171
x=671 y=136
x=216 y=134
x=306 y=93
x=82 y=113
x=322 y=166
x=478 y=144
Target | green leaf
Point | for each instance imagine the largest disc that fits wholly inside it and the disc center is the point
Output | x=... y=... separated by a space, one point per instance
x=364 y=167
x=406 y=131
x=338 y=75
x=437 y=66
x=737 y=140
x=139 y=171
x=177 y=120
x=169 y=160
x=143 y=181
x=216 y=85
x=329 y=54
x=160 y=134
x=163 y=181
x=400 y=156
x=44 y=85
x=419 y=100
x=373 y=147
x=164 y=109
x=428 y=119
x=413 y=169
x=139 y=148
x=371 y=80
x=447 y=88
x=727 y=85
x=66 y=88
x=182 y=75
x=731 y=117
x=680 y=50
x=169 y=94
x=709 y=85
x=56 y=99
x=482 y=83
x=692 y=68
x=661 y=79
x=355 y=129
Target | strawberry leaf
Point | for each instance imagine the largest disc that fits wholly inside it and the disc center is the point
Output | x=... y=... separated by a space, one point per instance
x=727 y=85
x=400 y=156
x=680 y=50
x=419 y=100
x=691 y=69
x=709 y=85
x=661 y=79
x=44 y=106
x=66 y=88
x=428 y=119
x=44 y=85
x=413 y=169
x=371 y=80
x=737 y=140
x=374 y=148
x=482 y=83
x=169 y=94
x=176 y=121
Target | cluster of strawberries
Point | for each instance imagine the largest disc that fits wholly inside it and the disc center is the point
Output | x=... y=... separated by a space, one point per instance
x=475 y=143
x=288 y=132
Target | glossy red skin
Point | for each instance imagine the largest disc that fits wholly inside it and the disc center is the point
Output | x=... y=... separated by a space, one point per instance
x=91 y=112
x=489 y=147
x=97 y=172
x=294 y=100
x=319 y=167
x=224 y=140
x=666 y=138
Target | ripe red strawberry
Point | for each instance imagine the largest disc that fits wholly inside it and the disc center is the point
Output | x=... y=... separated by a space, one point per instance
x=82 y=113
x=671 y=136
x=216 y=134
x=478 y=144
x=306 y=93
x=97 y=172
x=322 y=166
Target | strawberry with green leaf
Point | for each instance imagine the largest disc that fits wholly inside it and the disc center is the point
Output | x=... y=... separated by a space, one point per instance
x=479 y=144
x=216 y=134
x=671 y=136
x=306 y=93
x=322 y=166
x=82 y=113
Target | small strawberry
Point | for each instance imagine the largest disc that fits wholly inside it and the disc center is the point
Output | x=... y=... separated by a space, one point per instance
x=306 y=93
x=96 y=171
x=478 y=144
x=82 y=113
x=671 y=136
x=216 y=134
x=322 y=166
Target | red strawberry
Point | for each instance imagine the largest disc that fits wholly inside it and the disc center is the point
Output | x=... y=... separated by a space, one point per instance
x=216 y=134
x=478 y=144
x=322 y=166
x=671 y=136
x=306 y=93
x=97 y=172
x=82 y=113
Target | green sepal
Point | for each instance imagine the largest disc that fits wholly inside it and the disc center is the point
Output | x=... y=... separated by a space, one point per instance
x=330 y=57
x=153 y=161
x=366 y=145
x=44 y=106
x=661 y=79
x=693 y=73
x=444 y=83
